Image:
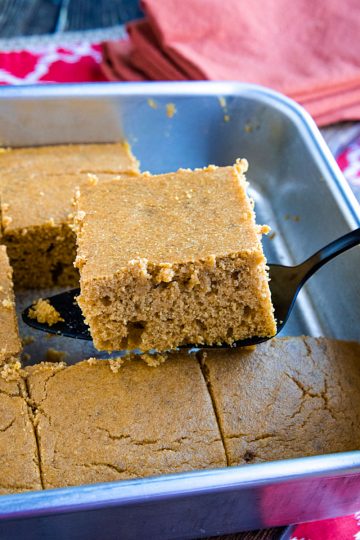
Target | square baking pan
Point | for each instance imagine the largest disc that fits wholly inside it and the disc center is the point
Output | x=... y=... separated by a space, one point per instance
x=301 y=194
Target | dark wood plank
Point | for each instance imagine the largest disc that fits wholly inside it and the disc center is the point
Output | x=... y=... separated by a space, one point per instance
x=31 y=17
x=24 y=17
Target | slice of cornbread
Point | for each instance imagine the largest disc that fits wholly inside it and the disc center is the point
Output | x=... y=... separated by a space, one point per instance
x=172 y=259
x=290 y=397
x=70 y=159
x=19 y=467
x=37 y=187
x=10 y=345
x=94 y=425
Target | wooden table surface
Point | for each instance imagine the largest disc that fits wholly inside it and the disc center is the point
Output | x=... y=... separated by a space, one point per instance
x=34 y=17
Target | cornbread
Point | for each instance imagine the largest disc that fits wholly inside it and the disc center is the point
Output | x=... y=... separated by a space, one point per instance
x=10 y=344
x=70 y=159
x=94 y=425
x=101 y=420
x=19 y=468
x=44 y=312
x=289 y=398
x=37 y=188
x=172 y=259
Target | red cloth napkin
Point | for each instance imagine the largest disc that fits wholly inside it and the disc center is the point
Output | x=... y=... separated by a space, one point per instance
x=306 y=49
x=77 y=62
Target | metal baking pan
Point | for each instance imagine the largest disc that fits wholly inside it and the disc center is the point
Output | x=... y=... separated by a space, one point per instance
x=300 y=192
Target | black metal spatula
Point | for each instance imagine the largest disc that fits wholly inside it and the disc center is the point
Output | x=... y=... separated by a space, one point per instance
x=285 y=284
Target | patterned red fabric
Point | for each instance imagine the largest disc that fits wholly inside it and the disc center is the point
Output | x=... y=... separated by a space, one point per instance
x=80 y=63
x=52 y=63
x=346 y=528
x=349 y=162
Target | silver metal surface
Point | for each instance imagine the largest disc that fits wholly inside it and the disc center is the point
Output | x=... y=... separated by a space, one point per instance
x=300 y=192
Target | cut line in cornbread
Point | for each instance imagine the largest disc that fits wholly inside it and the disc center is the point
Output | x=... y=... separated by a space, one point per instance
x=288 y=398
x=172 y=259
x=95 y=425
x=37 y=187
x=19 y=464
x=10 y=344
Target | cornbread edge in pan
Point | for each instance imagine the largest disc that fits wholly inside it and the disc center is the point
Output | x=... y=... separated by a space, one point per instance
x=10 y=344
x=94 y=425
x=290 y=397
x=172 y=259
x=19 y=467
x=37 y=187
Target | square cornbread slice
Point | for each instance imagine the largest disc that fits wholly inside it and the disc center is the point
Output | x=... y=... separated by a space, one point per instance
x=62 y=159
x=97 y=425
x=289 y=398
x=19 y=466
x=172 y=259
x=10 y=345
x=37 y=187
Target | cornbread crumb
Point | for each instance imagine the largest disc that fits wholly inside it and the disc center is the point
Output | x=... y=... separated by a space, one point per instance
x=11 y=371
x=44 y=312
x=93 y=179
x=50 y=222
x=115 y=364
x=170 y=110
x=6 y=221
x=8 y=304
x=152 y=103
x=153 y=360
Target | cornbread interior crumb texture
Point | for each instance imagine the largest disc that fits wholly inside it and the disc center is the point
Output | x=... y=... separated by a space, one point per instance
x=172 y=259
x=144 y=420
x=19 y=467
x=37 y=187
x=10 y=344
x=291 y=397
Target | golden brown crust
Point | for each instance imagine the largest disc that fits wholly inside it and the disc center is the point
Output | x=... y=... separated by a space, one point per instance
x=94 y=425
x=70 y=159
x=289 y=398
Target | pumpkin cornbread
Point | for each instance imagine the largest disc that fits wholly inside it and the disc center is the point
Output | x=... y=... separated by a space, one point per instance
x=19 y=467
x=95 y=425
x=36 y=190
x=289 y=398
x=62 y=159
x=172 y=259
x=10 y=345
x=44 y=312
